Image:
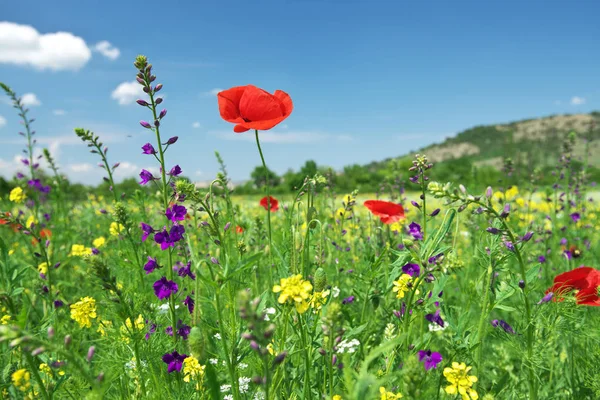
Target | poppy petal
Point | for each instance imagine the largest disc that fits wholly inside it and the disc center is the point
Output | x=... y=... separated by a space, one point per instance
x=286 y=102
x=240 y=128
x=229 y=101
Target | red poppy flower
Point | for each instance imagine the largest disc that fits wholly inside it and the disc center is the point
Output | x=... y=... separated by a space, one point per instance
x=273 y=201
x=386 y=211
x=239 y=229
x=46 y=233
x=252 y=108
x=4 y=221
x=584 y=281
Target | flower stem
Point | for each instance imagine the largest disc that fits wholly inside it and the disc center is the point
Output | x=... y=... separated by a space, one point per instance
x=262 y=158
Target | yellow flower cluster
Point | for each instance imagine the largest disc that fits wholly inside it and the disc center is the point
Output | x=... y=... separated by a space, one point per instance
x=103 y=326
x=294 y=290
x=115 y=229
x=20 y=378
x=17 y=195
x=460 y=381
x=385 y=395
x=79 y=250
x=192 y=369
x=99 y=242
x=128 y=328
x=318 y=299
x=84 y=311
x=43 y=268
x=31 y=221
x=401 y=286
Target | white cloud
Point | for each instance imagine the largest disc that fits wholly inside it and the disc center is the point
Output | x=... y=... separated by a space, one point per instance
x=127 y=93
x=23 y=45
x=213 y=92
x=59 y=112
x=576 y=100
x=2 y=121
x=30 y=100
x=107 y=50
x=196 y=125
x=78 y=168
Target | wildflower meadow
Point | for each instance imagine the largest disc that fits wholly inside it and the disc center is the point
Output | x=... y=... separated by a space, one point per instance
x=425 y=290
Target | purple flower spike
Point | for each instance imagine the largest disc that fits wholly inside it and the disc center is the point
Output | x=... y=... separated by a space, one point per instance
x=147 y=230
x=148 y=149
x=174 y=361
x=546 y=298
x=163 y=288
x=186 y=271
x=145 y=125
x=189 y=303
x=430 y=359
x=412 y=269
x=175 y=171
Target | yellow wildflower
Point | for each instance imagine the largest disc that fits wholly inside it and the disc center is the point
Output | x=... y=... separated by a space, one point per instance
x=318 y=299
x=43 y=268
x=460 y=382
x=138 y=324
x=99 y=242
x=385 y=395
x=511 y=193
x=17 y=195
x=336 y=397
x=79 y=250
x=103 y=326
x=31 y=221
x=84 y=311
x=115 y=228
x=192 y=369
x=296 y=290
x=20 y=378
x=401 y=286
x=340 y=213
x=5 y=320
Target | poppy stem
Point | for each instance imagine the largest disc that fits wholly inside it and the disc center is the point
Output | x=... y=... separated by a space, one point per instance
x=262 y=158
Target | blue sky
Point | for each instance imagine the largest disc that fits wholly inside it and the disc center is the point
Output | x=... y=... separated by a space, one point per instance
x=369 y=79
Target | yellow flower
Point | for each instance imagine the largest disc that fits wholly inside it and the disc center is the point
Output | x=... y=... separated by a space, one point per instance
x=396 y=226
x=84 y=311
x=129 y=327
x=511 y=193
x=401 y=286
x=336 y=397
x=295 y=290
x=43 y=268
x=340 y=213
x=103 y=326
x=31 y=221
x=45 y=369
x=17 y=195
x=79 y=250
x=115 y=228
x=99 y=242
x=20 y=378
x=5 y=320
x=348 y=199
x=460 y=382
x=192 y=369
x=271 y=349
x=318 y=299
x=385 y=395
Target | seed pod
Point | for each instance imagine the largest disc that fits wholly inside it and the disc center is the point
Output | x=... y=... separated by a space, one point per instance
x=320 y=279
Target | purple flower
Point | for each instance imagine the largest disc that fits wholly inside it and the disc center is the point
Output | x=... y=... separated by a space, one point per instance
x=176 y=213
x=412 y=269
x=147 y=230
x=58 y=303
x=527 y=237
x=433 y=214
x=151 y=265
x=506 y=211
x=146 y=177
x=415 y=204
x=183 y=330
x=400 y=313
x=434 y=259
x=504 y=325
x=493 y=231
x=542 y=259
x=151 y=331
x=189 y=303
x=172 y=140
x=414 y=230
x=186 y=271
x=563 y=241
x=164 y=288
x=348 y=300
x=510 y=246
x=435 y=318
x=148 y=149
x=546 y=298
x=414 y=179
x=168 y=239
x=175 y=171
x=177 y=232
x=145 y=124
x=575 y=217
x=174 y=361
x=430 y=359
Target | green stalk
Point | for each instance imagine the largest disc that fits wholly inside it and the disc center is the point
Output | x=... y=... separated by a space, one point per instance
x=482 y=318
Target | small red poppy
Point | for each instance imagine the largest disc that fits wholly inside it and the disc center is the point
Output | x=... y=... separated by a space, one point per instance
x=4 y=221
x=273 y=201
x=583 y=280
x=46 y=233
x=250 y=107
x=239 y=229
x=386 y=211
